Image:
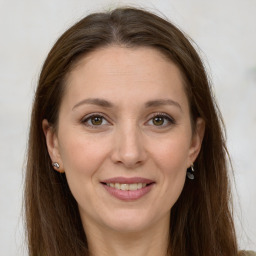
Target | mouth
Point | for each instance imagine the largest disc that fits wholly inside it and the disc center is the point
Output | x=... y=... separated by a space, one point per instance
x=128 y=189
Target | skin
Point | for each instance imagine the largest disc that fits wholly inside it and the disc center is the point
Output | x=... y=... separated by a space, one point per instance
x=132 y=138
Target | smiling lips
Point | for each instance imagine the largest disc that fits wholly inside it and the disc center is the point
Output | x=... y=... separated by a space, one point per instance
x=128 y=189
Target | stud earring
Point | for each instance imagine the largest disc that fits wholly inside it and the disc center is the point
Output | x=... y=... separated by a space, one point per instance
x=55 y=165
x=190 y=173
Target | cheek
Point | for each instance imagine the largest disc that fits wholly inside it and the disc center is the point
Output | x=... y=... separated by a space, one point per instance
x=82 y=158
x=171 y=158
x=172 y=154
x=173 y=161
x=80 y=154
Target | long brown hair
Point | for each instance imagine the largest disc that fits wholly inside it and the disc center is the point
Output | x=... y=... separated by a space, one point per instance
x=201 y=219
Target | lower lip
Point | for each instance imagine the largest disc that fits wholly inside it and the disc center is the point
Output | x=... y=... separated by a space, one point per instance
x=128 y=195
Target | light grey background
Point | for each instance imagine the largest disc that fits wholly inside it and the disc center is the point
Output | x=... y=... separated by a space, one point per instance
x=223 y=29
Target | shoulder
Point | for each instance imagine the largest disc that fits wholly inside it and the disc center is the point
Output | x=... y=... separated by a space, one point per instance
x=247 y=253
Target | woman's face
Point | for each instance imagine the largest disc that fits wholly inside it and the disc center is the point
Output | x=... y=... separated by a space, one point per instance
x=124 y=137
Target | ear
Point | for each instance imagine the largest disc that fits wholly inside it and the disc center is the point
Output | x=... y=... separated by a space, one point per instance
x=52 y=144
x=196 y=141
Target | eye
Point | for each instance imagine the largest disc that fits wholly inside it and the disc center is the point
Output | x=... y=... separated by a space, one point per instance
x=94 y=120
x=161 y=120
x=158 y=120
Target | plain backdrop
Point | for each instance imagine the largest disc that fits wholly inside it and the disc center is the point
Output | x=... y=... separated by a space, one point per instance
x=225 y=32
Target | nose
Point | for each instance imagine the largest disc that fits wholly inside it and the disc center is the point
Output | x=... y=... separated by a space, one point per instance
x=128 y=147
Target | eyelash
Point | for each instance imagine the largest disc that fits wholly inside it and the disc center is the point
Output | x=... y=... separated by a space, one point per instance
x=167 y=118
x=88 y=118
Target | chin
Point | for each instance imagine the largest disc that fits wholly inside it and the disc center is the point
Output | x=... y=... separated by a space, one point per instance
x=130 y=221
x=124 y=226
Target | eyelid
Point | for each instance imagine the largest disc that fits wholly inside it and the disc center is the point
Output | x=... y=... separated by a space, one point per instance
x=99 y=114
x=169 y=118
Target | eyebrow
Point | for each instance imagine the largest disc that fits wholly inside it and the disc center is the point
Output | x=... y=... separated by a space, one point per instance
x=162 y=102
x=107 y=104
x=94 y=101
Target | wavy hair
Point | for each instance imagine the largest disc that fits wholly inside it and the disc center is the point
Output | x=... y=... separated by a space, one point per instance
x=201 y=219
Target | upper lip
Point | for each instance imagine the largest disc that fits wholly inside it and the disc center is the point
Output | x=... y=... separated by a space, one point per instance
x=124 y=180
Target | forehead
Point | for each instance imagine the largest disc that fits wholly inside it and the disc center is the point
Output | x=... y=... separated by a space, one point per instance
x=125 y=71
x=114 y=58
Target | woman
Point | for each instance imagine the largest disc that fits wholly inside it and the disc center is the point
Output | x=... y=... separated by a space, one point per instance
x=126 y=151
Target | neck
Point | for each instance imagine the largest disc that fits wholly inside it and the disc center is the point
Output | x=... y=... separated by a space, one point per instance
x=153 y=241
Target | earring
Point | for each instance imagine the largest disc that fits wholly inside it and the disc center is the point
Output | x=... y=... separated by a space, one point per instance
x=55 y=165
x=190 y=172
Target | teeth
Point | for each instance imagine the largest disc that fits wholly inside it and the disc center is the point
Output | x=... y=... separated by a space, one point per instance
x=124 y=186
x=134 y=186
